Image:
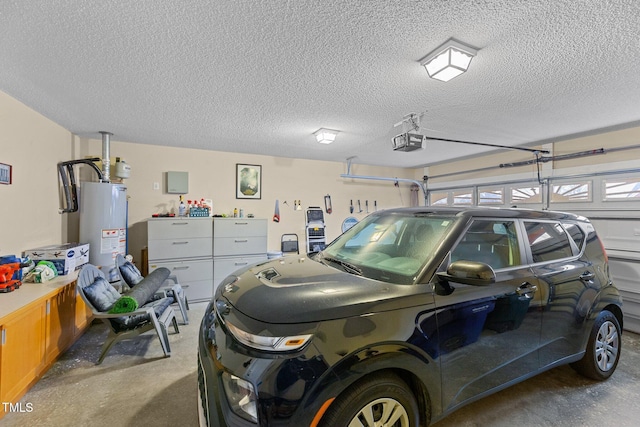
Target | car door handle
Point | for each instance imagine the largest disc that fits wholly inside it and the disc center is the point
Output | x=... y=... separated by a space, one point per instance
x=526 y=290
x=587 y=276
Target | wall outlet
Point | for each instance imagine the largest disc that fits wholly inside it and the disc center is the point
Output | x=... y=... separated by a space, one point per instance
x=156 y=185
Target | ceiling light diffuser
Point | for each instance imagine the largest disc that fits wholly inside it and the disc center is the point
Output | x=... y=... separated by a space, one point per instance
x=325 y=136
x=449 y=60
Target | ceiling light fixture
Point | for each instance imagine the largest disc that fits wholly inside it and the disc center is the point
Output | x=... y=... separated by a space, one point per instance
x=449 y=60
x=325 y=136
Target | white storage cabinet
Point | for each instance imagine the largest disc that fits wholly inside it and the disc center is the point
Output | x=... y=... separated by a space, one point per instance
x=184 y=246
x=237 y=242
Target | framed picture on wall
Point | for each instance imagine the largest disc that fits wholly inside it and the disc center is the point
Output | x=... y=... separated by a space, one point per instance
x=5 y=173
x=248 y=181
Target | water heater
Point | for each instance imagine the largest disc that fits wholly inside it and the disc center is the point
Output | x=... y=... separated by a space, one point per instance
x=103 y=222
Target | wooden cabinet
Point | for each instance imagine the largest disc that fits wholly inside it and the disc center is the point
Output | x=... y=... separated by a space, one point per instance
x=22 y=350
x=237 y=242
x=83 y=314
x=184 y=246
x=38 y=322
x=60 y=323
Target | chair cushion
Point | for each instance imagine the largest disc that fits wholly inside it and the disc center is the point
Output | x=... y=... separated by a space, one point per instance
x=101 y=294
x=130 y=273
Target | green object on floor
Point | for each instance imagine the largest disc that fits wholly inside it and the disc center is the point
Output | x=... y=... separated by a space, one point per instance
x=125 y=304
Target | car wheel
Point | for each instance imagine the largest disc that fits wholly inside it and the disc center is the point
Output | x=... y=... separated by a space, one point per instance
x=603 y=349
x=381 y=400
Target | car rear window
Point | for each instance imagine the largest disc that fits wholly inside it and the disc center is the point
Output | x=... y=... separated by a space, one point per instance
x=548 y=241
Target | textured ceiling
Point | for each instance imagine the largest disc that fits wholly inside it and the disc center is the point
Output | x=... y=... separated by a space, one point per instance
x=259 y=76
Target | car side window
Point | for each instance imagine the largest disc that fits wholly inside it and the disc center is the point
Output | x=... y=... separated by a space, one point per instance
x=493 y=242
x=548 y=241
x=576 y=234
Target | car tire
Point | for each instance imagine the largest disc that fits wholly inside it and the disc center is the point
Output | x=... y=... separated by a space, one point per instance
x=376 y=400
x=603 y=349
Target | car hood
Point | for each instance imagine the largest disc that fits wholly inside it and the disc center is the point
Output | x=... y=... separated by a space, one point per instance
x=300 y=290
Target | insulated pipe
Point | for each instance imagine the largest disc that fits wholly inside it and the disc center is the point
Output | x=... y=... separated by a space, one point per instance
x=106 y=159
x=69 y=187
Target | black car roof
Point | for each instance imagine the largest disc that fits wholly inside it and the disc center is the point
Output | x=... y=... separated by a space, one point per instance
x=479 y=212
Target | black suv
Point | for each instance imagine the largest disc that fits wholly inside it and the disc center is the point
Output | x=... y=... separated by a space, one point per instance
x=406 y=317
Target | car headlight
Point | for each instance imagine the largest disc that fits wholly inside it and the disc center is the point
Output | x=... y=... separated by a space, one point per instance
x=241 y=396
x=268 y=343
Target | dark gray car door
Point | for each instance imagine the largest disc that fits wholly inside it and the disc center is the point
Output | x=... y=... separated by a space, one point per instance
x=488 y=335
x=570 y=280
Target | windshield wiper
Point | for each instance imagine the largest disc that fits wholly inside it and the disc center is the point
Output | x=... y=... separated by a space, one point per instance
x=349 y=268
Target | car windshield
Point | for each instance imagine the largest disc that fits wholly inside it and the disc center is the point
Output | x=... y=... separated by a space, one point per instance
x=392 y=247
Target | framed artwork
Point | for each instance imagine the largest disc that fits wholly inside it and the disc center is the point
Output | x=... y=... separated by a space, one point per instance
x=248 y=181
x=5 y=174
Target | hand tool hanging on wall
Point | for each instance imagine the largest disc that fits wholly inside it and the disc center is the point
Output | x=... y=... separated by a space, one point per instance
x=375 y=205
x=276 y=214
x=351 y=206
x=359 y=207
x=366 y=204
x=327 y=204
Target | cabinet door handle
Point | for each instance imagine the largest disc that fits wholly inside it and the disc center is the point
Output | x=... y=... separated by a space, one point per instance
x=180 y=243
x=241 y=263
x=4 y=336
x=241 y=223
x=241 y=241
x=179 y=223
x=181 y=268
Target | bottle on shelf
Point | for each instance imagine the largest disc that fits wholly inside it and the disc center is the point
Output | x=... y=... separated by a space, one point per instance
x=182 y=208
x=235 y=212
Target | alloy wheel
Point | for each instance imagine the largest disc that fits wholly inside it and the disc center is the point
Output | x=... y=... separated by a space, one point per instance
x=606 y=346
x=384 y=412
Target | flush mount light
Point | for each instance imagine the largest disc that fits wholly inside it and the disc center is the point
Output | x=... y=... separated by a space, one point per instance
x=325 y=136
x=449 y=60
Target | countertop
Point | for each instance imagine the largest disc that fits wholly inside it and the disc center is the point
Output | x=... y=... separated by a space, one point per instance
x=30 y=292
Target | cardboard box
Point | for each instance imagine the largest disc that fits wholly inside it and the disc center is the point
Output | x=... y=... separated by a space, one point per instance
x=67 y=257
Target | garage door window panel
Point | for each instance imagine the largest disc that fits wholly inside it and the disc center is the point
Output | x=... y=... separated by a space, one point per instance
x=571 y=192
x=624 y=189
x=439 y=198
x=491 y=196
x=463 y=197
x=531 y=194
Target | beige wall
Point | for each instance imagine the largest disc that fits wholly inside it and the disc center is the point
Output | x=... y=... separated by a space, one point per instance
x=212 y=176
x=33 y=145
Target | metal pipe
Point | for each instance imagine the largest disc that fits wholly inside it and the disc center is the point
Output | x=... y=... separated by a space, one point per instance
x=106 y=156
x=384 y=178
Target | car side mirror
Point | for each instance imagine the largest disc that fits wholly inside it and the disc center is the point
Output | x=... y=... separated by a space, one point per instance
x=469 y=273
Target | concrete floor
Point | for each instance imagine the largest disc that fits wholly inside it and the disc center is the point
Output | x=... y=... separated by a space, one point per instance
x=137 y=386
